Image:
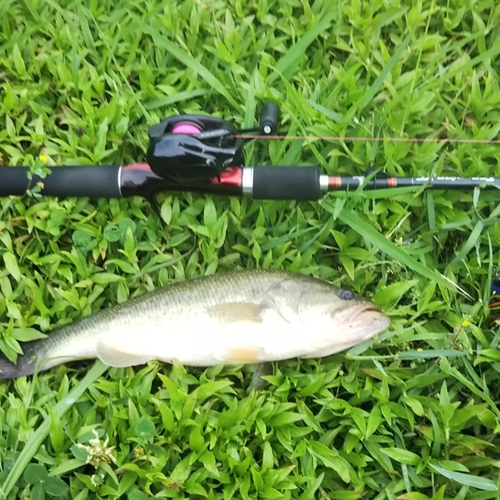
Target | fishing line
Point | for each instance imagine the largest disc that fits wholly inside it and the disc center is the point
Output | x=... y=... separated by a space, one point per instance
x=335 y=138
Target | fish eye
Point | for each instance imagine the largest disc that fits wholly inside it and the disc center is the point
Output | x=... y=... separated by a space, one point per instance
x=345 y=294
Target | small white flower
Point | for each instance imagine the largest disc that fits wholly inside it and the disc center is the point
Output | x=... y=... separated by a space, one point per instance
x=97 y=479
x=98 y=452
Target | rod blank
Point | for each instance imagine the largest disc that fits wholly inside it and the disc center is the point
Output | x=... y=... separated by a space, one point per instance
x=339 y=183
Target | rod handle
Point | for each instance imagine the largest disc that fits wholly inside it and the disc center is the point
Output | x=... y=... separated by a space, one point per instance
x=96 y=181
x=286 y=183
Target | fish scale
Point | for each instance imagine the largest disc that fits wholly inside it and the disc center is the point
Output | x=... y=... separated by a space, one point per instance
x=247 y=316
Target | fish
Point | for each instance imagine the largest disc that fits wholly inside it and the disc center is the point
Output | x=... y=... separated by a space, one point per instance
x=237 y=317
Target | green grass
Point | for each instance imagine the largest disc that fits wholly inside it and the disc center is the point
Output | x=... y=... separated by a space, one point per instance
x=411 y=416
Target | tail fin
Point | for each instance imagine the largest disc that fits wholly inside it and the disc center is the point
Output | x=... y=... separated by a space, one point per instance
x=26 y=365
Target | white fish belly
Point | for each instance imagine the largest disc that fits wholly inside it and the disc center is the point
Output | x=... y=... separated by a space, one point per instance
x=202 y=340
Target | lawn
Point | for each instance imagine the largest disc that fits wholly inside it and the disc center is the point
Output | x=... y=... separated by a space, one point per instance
x=412 y=415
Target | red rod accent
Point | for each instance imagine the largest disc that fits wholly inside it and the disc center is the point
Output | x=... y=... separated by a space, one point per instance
x=138 y=166
x=334 y=181
x=230 y=176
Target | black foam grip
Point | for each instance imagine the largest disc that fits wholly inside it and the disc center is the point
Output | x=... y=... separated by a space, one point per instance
x=286 y=183
x=99 y=181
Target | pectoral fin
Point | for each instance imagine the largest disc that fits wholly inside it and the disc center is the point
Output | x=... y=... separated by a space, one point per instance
x=241 y=354
x=118 y=356
x=238 y=312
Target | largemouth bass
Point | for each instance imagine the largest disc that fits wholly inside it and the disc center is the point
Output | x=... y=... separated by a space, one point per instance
x=252 y=316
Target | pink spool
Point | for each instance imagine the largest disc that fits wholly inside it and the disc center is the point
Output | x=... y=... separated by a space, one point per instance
x=186 y=128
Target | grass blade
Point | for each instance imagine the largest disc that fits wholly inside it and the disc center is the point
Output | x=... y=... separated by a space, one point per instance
x=454 y=372
x=481 y=483
x=288 y=63
x=186 y=59
x=177 y=97
x=377 y=84
x=353 y=220
x=42 y=432
x=469 y=244
x=490 y=53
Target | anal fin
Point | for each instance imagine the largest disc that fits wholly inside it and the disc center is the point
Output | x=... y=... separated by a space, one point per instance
x=117 y=356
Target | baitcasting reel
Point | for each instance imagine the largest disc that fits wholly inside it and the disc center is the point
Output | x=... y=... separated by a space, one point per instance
x=191 y=150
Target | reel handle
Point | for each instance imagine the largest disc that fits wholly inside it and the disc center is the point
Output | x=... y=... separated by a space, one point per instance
x=269 y=118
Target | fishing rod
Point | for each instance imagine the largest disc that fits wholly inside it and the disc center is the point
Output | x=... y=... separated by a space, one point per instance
x=204 y=154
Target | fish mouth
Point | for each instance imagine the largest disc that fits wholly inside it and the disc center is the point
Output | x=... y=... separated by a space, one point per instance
x=368 y=317
x=372 y=307
x=363 y=310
